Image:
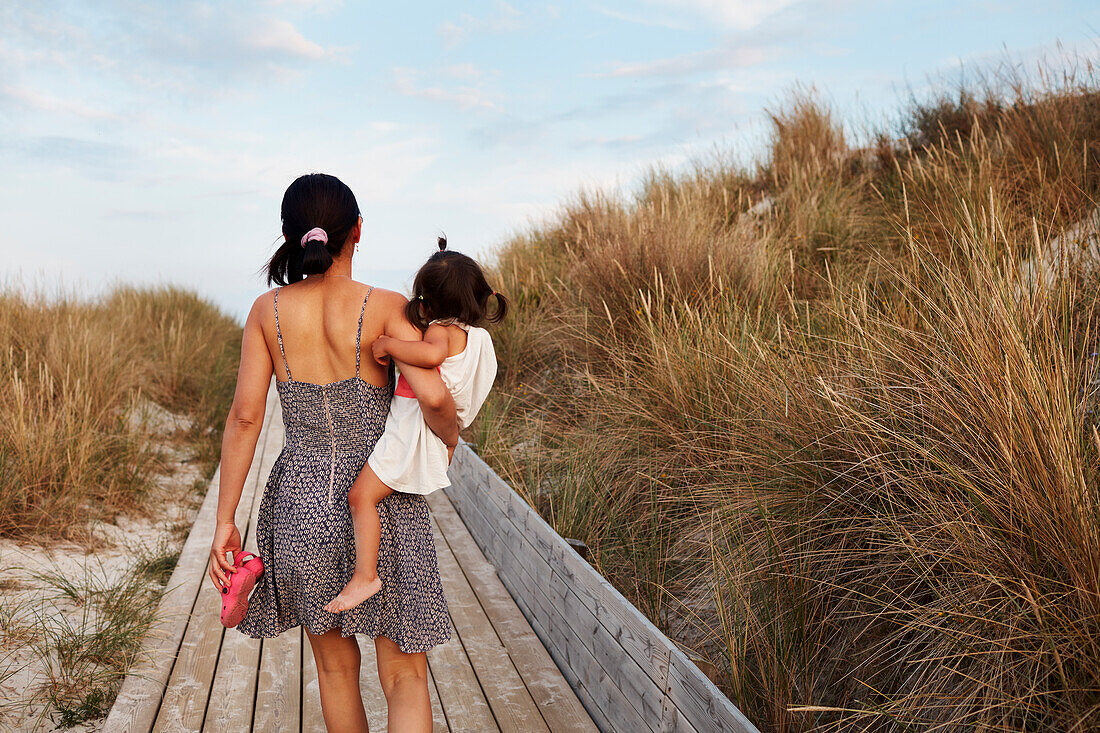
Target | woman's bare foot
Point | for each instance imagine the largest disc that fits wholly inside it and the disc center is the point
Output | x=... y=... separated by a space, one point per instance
x=358 y=589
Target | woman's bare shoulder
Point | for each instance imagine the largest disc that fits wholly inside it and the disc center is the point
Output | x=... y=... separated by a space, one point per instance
x=388 y=298
x=263 y=305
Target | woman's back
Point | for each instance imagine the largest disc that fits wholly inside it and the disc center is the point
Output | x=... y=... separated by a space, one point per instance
x=319 y=321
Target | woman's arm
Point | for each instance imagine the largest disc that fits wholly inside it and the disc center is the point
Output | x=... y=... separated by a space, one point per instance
x=242 y=430
x=428 y=353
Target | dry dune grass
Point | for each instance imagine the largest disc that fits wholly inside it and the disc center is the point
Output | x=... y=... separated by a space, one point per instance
x=73 y=370
x=819 y=423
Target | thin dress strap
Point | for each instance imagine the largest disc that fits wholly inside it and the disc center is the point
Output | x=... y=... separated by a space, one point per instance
x=359 y=332
x=279 y=334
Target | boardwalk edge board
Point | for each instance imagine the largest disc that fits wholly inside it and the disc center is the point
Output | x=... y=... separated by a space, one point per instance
x=593 y=633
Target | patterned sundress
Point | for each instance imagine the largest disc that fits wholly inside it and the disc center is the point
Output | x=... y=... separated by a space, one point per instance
x=304 y=529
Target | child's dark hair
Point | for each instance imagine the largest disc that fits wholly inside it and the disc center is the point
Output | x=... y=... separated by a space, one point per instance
x=312 y=200
x=452 y=285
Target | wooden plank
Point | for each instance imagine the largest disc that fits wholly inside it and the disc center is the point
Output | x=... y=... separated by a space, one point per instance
x=312 y=718
x=183 y=707
x=649 y=647
x=605 y=703
x=645 y=643
x=279 y=692
x=604 y=700
x=594 y=681
x=537 y=611
x=439 y=720
x=556 y=700
x=623 y=671
x=513 y=707
x=672 y=720
x=460 y=694
x=233 y=692
x=701 y=702
x=139 y=697
x=370 y=689
x=611 y=681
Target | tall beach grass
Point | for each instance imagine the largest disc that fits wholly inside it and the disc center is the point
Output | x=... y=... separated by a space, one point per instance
x=830 y=419
x=74 y=373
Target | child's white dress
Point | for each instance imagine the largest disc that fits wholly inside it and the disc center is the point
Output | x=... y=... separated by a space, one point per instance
x=409 y=457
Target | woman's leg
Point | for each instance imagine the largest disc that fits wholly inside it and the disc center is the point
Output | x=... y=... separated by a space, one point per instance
x=404 y=679
x=338 y=663
x=363 y=498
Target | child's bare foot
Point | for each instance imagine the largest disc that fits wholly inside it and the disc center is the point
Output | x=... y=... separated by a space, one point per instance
x=358 y=589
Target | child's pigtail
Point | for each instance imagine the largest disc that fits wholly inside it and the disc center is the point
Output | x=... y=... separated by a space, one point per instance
x=501 y=311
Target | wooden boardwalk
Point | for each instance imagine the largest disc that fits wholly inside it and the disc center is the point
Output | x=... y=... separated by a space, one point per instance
x=493 y=675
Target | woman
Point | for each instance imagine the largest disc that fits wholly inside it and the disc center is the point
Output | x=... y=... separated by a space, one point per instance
x=314 y=327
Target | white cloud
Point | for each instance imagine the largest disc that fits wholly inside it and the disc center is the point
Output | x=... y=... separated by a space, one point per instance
x=463 y=71
x=737 y=15
x=281 y=36
x=728 y=57
x=639 y=19
x=318 y=5
x=407 y=82
x=504 y=19
x=195 y=47
x=43 y=102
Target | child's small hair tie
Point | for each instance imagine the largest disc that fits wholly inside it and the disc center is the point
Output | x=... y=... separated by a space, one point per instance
x=420 y=297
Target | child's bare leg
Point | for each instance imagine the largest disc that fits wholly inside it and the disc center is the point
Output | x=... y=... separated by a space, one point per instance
x=363 y=498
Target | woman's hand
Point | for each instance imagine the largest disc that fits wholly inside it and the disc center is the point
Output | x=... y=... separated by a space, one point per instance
x=227 y=538
x=378 y=348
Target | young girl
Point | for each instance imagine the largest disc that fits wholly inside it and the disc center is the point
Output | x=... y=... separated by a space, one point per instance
x=450 y=303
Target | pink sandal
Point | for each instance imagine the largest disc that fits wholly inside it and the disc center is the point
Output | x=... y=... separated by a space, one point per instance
x=241 y=583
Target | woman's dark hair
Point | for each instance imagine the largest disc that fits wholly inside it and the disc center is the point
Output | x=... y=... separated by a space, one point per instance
x=452 y=285
x=313 y=200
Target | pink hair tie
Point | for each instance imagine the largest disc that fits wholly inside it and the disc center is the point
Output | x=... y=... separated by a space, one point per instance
x=315 y=234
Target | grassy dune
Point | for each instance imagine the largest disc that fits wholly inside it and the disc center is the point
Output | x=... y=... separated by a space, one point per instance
x=73 y=371
x=829 y=419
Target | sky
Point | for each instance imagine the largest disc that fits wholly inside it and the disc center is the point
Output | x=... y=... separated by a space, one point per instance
x=151 y=143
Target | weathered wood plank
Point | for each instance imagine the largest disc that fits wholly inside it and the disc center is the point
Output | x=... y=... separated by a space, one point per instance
x=555 y=698
x=700 y=702
x=570 y=641
x=463 y=702
x=312 y=717
x=606 y=705
x=645 y=643
x=513 y=707
x=279 y=691
x=374 y=701
x=672 y=720
x=234 y=689
x=139 y=697
x=183 y=707
x=620 y=668
x=439 y=719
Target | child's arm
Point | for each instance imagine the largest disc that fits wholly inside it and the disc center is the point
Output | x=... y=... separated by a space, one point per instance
x=428 y=353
